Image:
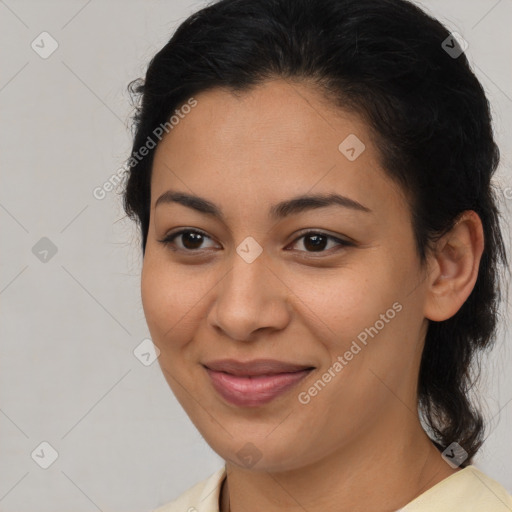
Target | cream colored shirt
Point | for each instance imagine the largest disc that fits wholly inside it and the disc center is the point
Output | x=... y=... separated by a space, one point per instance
x=468 y=490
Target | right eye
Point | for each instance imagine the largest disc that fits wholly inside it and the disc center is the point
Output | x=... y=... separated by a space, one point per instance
x=191 y=240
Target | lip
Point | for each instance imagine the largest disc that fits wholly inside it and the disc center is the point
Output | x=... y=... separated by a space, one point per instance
x=254 y=383
x=255 y=368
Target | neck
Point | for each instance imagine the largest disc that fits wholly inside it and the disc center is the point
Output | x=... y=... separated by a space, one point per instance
x=382 y=473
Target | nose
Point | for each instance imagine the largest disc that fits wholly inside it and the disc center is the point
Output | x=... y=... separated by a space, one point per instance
x=250 y=298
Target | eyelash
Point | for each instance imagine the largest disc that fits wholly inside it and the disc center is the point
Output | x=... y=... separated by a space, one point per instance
x=169 y=240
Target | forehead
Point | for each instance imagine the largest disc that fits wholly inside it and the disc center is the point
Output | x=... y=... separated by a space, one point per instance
x=275 y=114
x=278 y=139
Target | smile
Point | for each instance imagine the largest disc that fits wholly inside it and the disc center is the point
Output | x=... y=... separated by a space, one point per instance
x=255 y=390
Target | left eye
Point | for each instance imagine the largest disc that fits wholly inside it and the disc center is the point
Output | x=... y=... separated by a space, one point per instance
x=314 y=241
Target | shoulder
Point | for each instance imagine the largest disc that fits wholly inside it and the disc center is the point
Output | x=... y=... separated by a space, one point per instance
x=467 y=490
x=202 y=497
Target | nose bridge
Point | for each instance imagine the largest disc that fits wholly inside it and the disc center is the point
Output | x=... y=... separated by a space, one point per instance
x=249 y=297
x=249 y=272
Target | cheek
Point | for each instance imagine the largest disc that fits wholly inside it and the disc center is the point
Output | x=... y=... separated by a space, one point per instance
x=163 y=299
x=365 y=314
x=342 y=303
x=174 y=298
x=170 y=315
x=156 y=296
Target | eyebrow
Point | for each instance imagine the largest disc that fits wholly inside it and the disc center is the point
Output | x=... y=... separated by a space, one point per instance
x=278 y=211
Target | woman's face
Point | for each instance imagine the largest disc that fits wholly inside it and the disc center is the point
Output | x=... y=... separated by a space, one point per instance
x=346 y=299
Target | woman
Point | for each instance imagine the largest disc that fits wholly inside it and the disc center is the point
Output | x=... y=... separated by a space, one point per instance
x=321 y=253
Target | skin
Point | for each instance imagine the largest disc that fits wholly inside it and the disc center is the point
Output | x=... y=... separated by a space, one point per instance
x=358 y=444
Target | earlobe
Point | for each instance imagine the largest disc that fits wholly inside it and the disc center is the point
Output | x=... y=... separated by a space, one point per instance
x=455 y=262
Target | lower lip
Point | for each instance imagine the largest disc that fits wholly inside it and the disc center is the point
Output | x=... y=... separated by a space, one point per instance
x=253 y=391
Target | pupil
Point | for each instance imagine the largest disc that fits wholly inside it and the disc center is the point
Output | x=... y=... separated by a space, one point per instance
x=318 y=242
x=192 y=240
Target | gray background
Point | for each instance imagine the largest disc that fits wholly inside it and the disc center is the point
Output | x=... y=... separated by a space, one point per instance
x=69 y=325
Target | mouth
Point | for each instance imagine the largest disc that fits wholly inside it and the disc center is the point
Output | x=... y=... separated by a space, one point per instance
x=254 y=383
x=255 y=367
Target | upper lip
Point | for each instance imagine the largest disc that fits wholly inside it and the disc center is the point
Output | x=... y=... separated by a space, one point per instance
x=255 y=367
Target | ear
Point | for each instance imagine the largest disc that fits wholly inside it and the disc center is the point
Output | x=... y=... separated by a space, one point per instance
x=454 y=267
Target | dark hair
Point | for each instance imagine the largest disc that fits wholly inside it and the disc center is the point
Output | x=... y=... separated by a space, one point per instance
x=387 y=61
